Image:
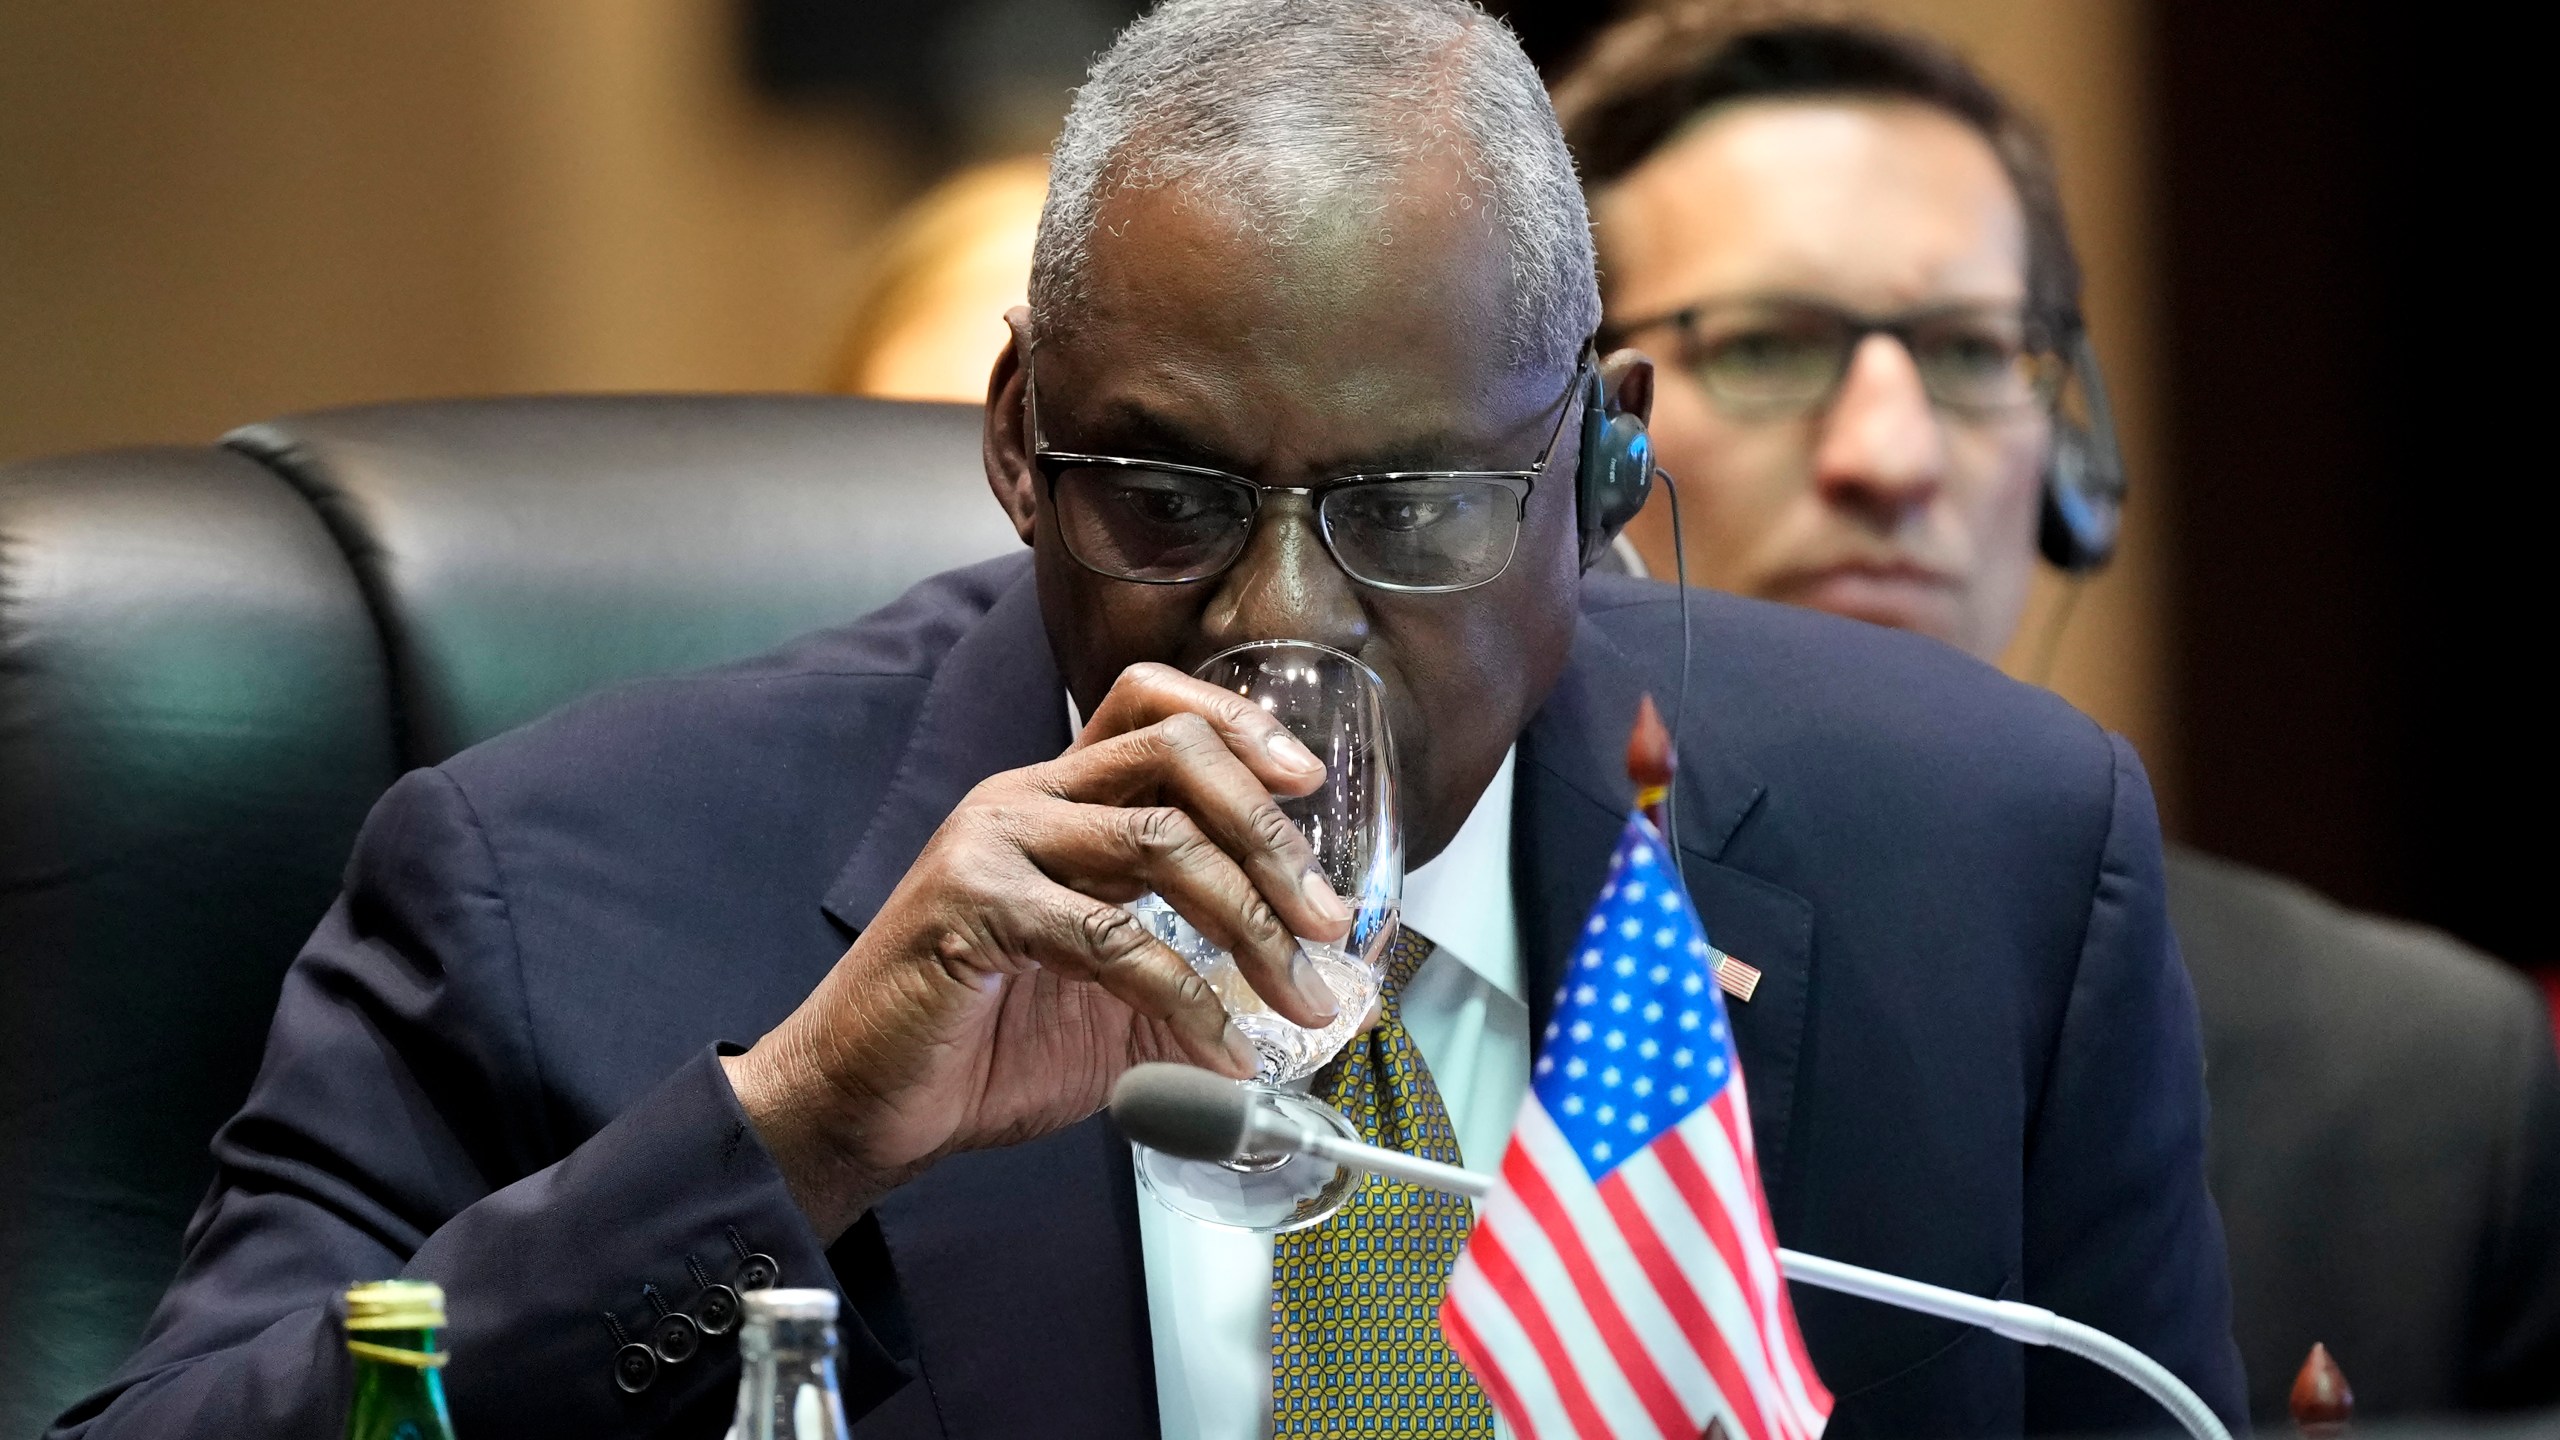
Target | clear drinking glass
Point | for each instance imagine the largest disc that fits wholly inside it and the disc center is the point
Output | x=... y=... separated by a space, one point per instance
x=1336 y=706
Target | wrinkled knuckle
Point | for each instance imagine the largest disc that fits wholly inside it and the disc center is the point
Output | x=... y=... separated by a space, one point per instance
x=955 y=948
x=988 y=818
x=1001 y=835
x=1262 y=926
x=1193 y=993
x=1243 y=714
x=1187 y=733
x=1272 y=830
x=1109 y=932
x=1162 y=833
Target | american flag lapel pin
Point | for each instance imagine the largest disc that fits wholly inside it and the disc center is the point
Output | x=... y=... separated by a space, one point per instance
x=1733 y=977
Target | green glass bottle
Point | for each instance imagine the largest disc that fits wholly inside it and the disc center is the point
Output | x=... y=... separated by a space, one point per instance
x=391 y=1331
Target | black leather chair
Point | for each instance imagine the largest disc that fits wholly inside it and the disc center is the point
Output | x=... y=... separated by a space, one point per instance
x=212 y=660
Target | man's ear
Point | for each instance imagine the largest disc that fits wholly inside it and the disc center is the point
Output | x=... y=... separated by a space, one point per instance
x=1626 y=377
x=1010 y=473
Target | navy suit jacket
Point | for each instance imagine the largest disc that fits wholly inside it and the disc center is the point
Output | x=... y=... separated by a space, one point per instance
x=1973 y=1058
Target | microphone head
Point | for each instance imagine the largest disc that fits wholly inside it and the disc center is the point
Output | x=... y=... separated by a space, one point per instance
x=1182 y=1110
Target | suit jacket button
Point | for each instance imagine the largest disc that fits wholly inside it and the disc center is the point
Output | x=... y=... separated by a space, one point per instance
x=635 y=1367
x=758 y=1272
x=675 y=1337
x=717 y=1310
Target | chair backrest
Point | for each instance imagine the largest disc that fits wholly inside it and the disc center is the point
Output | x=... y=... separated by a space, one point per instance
x=212 y=660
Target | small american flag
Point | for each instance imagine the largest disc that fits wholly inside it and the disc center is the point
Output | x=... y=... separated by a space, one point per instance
x=1623 y=1280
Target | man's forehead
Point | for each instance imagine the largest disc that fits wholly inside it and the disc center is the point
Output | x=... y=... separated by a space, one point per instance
x=1175 y=403
x=1406 y=266
x=1385 y=326
x=1897 y=200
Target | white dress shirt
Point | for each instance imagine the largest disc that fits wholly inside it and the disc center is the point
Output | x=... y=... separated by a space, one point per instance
x=1209 y=1288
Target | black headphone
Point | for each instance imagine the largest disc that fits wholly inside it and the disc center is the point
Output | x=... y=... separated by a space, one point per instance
x=1617 y=468
x=2084 y=477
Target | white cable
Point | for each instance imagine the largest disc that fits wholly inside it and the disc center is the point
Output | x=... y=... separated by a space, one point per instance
x=2027 y=1324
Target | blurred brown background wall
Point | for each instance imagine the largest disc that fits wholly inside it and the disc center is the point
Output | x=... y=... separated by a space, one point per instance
x=209 y=215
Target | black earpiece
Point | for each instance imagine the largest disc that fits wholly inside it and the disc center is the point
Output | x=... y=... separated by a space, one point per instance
x=1617 y=469
x=2084 y=477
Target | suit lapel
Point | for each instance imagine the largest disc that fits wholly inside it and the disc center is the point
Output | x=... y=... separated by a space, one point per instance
x=1019 y=1269
x=1573 y=799
x=1026 y=1288
x=994 y=704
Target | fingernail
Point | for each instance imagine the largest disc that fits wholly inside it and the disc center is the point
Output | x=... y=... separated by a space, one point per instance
x=1311 y=986
x=1287 y=749
x=1320 y=895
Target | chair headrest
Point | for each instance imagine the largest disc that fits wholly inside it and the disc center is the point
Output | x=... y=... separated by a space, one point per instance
x=519 y=552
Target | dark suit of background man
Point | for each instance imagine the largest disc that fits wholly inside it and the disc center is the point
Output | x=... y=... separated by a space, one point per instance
x=1293 y=241
x=2386 y=1108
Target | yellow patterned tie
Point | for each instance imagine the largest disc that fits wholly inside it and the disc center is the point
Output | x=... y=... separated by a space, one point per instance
x=1355 y=1302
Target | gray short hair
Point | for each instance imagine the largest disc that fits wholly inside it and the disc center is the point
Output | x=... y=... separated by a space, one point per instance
x=1285 y=108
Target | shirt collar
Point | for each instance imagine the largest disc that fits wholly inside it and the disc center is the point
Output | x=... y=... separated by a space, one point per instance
x=1462 y=899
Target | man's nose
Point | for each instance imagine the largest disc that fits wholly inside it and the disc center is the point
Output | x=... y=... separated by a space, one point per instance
x=1882 y=448
x=1285 y=586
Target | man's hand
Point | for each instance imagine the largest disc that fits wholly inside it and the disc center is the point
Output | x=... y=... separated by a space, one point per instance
x=1001 y=989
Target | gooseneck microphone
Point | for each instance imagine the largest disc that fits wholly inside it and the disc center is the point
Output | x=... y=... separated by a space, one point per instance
x=1194 y=1115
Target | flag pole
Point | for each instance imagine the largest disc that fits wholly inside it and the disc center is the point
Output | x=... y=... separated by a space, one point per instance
x=1651 y=763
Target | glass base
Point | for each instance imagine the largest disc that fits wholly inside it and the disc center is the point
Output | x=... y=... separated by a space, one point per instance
x=1268 y=1195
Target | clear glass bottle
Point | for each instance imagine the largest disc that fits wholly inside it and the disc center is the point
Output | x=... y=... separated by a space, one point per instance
x=399 y=1391
x=787 y=1378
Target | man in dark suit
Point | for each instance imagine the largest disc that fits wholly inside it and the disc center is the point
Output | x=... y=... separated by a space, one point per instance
x=1314 y=283
x=2386 y=1105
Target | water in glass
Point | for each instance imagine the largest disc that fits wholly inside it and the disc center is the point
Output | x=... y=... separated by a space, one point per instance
x=1289 y=1051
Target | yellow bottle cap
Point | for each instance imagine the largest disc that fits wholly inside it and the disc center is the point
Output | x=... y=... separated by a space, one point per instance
x=396 y=1305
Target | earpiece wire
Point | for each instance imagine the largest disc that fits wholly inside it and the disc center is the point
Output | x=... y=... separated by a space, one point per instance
x=1680 y=699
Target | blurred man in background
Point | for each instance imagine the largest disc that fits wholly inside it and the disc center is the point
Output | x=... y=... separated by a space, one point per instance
x=1848 y=253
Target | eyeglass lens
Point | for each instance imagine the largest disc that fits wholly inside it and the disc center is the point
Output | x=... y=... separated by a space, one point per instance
x=1772 y=358
x=1154 y=525
x=1166 y=526
x=1422 y=534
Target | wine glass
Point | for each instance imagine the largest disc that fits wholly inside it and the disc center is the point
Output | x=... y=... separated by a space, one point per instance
x=1336 y=706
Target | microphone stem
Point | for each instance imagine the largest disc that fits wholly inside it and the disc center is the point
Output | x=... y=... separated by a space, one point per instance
x=1429 y=1174
x=1268 y=1133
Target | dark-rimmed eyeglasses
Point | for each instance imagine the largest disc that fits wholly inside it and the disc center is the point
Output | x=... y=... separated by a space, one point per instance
x=1160 y=523
x=1769 y=356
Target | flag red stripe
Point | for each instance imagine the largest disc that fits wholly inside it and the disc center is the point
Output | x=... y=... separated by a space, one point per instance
x=1672 y=1150
x=1737 y=1128
x=1678 y=1163
x=1688 y=1308
x=1736 y=1133
x=1461 y=1335
x=1529 y=1185
x=1774 y=1318
x=1503 y=1274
